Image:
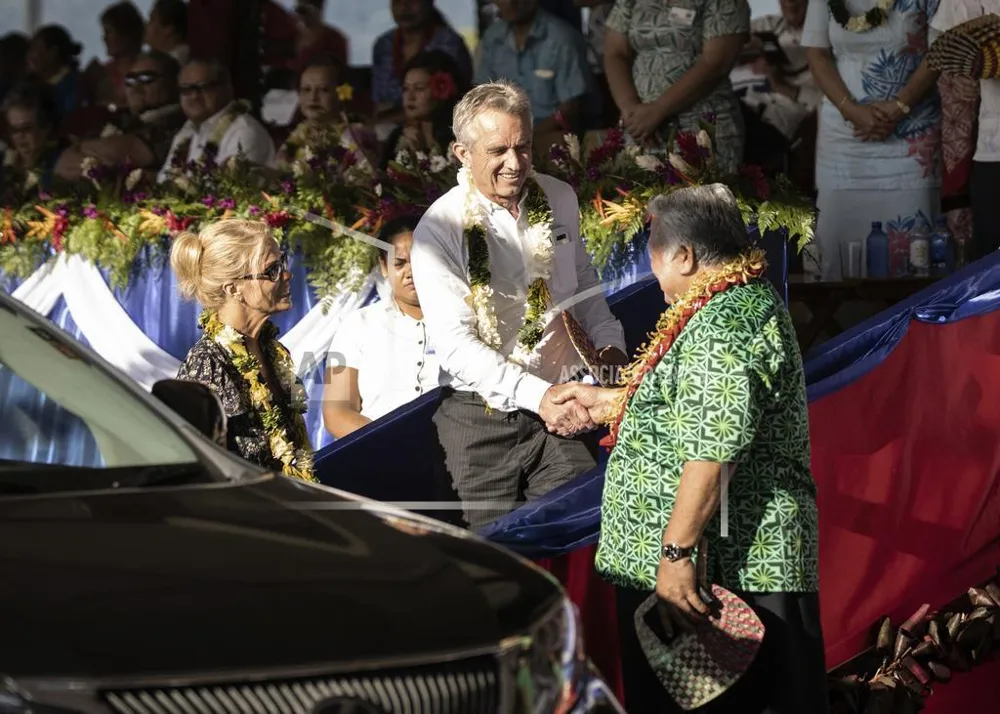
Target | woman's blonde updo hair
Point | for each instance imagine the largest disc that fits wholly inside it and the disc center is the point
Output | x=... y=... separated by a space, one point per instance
x=221 y=253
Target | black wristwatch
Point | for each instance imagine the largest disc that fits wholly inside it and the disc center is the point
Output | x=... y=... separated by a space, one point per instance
x=673 y=552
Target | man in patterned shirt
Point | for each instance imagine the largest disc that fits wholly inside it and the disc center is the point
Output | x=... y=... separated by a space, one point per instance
x=727 y=399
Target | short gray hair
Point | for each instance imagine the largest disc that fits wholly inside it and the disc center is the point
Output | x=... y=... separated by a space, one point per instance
x=705 y=218
x=501 y=96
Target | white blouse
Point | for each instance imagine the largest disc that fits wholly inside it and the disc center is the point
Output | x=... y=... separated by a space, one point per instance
x=390 y=350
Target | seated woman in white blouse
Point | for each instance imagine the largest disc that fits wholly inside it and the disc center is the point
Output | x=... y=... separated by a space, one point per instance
x=380 y=358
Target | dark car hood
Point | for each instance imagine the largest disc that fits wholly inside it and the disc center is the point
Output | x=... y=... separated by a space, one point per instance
x=222 y=577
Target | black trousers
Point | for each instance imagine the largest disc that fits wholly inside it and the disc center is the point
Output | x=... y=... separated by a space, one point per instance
x=494 y=461
x=985 y=208
x=788 y=676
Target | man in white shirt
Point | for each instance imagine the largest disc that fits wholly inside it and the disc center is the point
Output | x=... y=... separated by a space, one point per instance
x=985 y=176
x=497 y=415
x=214 y=120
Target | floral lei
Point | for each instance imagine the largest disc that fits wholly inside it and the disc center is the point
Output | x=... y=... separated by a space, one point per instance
x=741 y=271
x=876 y=17
x=179 y=159
x=295 y=453
x=539 y=236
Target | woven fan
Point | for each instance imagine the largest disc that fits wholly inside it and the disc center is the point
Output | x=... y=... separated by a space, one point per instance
x=585 y=348
x=970 y=50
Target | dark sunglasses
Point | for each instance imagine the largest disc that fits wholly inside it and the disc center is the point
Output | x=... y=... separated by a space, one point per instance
x=273 y=272
x=195 y=88
x=141 y=78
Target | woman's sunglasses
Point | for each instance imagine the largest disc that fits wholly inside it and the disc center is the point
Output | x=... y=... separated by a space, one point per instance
x=273 y=272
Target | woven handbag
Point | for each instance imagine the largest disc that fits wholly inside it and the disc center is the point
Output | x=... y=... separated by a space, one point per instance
x=970 y=50
x=697 y=667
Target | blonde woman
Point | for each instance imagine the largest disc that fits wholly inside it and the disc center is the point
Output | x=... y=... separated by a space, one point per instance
x=236 y=270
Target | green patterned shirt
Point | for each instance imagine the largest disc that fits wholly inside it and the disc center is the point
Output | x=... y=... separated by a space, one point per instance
x=731 y=390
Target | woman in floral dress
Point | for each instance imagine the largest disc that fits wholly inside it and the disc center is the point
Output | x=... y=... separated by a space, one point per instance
x=668 y=66
x=235 y=269
x=878 y=154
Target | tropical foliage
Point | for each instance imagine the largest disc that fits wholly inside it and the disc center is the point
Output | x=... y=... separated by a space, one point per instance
x=121 y=219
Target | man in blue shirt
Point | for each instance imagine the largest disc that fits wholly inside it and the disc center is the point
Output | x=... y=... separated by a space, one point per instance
x=547 y=57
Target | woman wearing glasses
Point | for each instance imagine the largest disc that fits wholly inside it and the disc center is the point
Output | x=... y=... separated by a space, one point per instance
x=236 y=270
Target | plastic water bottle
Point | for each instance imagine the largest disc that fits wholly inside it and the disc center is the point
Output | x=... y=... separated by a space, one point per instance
x=941 y=248
x=920 y=247
x=877 y=252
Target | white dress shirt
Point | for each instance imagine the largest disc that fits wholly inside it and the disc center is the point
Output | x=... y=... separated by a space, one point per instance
x=245 y=134
x=395 y=360
x=952 y=13
x=440 y=272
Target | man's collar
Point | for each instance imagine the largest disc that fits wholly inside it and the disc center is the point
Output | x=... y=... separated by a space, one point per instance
x=493 y=207
x=210 y=123
x=539 y=29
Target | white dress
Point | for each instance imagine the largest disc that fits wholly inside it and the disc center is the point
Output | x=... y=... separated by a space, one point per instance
x=895 y=181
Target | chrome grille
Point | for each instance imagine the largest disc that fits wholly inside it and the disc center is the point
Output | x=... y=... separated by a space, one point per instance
x=466 y=687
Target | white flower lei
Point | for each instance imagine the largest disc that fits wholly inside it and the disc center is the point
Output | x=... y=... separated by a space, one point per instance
x=541 y=252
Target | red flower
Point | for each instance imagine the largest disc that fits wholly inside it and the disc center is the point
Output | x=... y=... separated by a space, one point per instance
x=687 y=145
x=177 y=225
x=57 y=233
x=756 y=176
x=278 y=219
x=442 y=86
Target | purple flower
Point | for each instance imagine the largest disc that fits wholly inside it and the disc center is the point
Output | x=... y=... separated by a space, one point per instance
x=254 y=210
x=559 y=153
x=208 y=201
x=227 y=204
x=315 y=163
x=44 y=196
x=63 y=210
x=593 y=174
x=90 y=211
x=287 y=186
x=160 y=210
x=625 y=186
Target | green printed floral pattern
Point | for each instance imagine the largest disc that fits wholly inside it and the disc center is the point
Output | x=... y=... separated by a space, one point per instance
x=731 y=390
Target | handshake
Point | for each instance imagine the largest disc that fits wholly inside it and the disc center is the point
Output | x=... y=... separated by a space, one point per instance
x=574 y=408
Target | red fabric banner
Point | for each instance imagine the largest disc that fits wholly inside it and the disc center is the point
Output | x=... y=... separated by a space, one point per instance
x=907 y=463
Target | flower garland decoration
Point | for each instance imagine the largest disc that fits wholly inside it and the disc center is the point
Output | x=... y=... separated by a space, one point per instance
x=293 y=452
x=672 y=322
x=876 y=17
x=539 y=239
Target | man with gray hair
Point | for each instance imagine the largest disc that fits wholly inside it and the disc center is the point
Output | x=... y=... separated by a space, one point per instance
x=497 y=260
x=217 y=124
x=722 y=394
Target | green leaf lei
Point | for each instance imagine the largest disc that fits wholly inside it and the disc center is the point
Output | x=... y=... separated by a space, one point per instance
x=539 y=215
x=295 y=453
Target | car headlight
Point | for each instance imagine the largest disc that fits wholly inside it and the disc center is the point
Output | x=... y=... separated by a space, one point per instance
x=546 y=668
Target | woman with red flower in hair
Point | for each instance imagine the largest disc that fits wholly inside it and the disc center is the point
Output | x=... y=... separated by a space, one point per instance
x=432 y=86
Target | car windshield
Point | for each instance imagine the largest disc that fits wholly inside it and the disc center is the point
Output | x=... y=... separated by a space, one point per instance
x=59 y=412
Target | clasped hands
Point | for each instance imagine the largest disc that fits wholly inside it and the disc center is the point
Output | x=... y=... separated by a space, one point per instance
x=574 y=408
x=875 y=121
